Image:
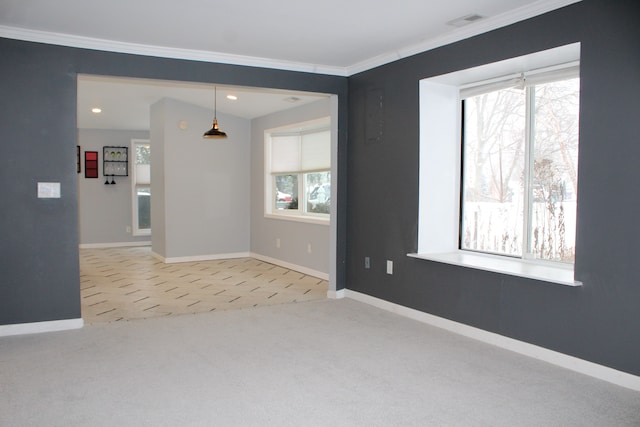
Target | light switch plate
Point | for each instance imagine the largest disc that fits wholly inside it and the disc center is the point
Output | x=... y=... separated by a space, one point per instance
x=48 y=190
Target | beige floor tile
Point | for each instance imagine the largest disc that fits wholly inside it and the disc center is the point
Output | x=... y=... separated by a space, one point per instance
x=128 y=283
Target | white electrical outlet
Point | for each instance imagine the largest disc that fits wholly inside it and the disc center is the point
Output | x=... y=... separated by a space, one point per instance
x=367 y=262
x=128 y=229
x=389 y=267
x=309 y=247
x=278 y=242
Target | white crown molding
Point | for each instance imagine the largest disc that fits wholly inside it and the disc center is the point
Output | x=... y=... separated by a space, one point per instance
x=482 y=26
x=162 y=52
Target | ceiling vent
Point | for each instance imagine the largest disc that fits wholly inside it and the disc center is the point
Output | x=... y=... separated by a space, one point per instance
x=465 y=20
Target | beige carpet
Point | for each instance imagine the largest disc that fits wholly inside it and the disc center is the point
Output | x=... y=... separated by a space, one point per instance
x=320 y=363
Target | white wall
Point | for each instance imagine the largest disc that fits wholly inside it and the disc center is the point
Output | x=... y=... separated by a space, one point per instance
x=294 y=236
x=203 y=187
x=105 y=210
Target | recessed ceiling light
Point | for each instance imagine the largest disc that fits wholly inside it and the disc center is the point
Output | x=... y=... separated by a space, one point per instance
x=232 y=97
x=96 y=110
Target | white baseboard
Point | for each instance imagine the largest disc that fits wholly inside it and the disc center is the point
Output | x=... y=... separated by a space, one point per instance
x=290 y=266
x=39 y=327
x=196 y=258
x=336 y=294
x=112 y=245
x=575 y=364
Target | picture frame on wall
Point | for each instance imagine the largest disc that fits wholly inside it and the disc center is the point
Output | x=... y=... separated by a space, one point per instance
x=90 y=164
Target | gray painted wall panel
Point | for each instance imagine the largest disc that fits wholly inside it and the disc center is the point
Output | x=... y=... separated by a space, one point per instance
x=294 y=236
x=206 y=183
x=105 y=210
x=39 y=274
x=599 y=321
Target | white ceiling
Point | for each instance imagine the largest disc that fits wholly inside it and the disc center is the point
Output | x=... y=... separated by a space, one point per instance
x=340 y=37
x=125 y=103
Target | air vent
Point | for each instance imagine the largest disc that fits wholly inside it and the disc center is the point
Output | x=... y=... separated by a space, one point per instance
x=465 y=20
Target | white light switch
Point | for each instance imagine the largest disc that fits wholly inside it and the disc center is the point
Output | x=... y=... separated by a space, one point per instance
x=389 y=267
x=48 y=190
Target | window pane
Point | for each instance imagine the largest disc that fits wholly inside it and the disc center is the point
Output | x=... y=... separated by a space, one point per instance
x=286 y=191
x=144 y=207
x=143 y=154
x=493 y=167
x=318 y=194
x=555 y=170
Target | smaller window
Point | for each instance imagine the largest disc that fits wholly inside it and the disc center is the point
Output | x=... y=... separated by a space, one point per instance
x=298 y=171
x=141 y=187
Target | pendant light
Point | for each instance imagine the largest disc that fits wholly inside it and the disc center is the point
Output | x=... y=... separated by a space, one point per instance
x=214 y=132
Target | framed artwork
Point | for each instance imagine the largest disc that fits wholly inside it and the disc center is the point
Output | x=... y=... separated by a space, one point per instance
x=90 y=164
x=78 y=157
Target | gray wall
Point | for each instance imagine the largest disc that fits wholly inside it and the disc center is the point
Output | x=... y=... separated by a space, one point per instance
x=39 y=274
x=204 y=187
x=294 y=236
x=105 y=210
x=599 y=321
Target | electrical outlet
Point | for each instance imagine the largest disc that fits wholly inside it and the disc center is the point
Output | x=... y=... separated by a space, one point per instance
x=278 y=242
x=389 y=267
x=128 y=229
x=309 y=247
x=367 y=262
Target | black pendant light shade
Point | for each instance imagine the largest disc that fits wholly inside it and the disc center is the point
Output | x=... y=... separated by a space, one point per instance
x=215 y=131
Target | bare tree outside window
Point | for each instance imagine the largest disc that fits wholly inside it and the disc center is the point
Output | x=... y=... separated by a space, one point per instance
x=520 y=157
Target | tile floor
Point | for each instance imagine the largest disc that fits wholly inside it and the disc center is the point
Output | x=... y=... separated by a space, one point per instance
x=127 y=283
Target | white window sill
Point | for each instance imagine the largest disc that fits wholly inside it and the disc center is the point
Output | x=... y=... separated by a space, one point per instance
x=299 y=218
x=515 y=267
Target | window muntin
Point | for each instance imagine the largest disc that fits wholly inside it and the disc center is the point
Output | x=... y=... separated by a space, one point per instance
x=141 y=187
x=519 y=179
x=299 y=172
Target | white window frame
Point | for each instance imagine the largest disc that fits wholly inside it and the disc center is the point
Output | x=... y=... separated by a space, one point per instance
x=440 y=169
x=134 y=190
x=301 y=214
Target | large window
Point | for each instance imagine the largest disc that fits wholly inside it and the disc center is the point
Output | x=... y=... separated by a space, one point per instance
x=503 y=200
x=141 y=186
x=520 y=161
x=298 y=171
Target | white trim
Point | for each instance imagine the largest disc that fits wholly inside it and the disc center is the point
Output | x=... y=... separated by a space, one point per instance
x=290 y=266
x=558 y=273
x=196 y=258
x=336 y=294
x=575 y=364
x=482 y=26
x=163 y=51
x=440 y=160
x=112 y=245
x=462 y=33
x=40 y=327
x=309 y=219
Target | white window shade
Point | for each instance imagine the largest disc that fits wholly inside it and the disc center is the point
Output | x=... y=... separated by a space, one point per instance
x=143 y=174
x=316 y=151
x=285 y=154
x=559 y=72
